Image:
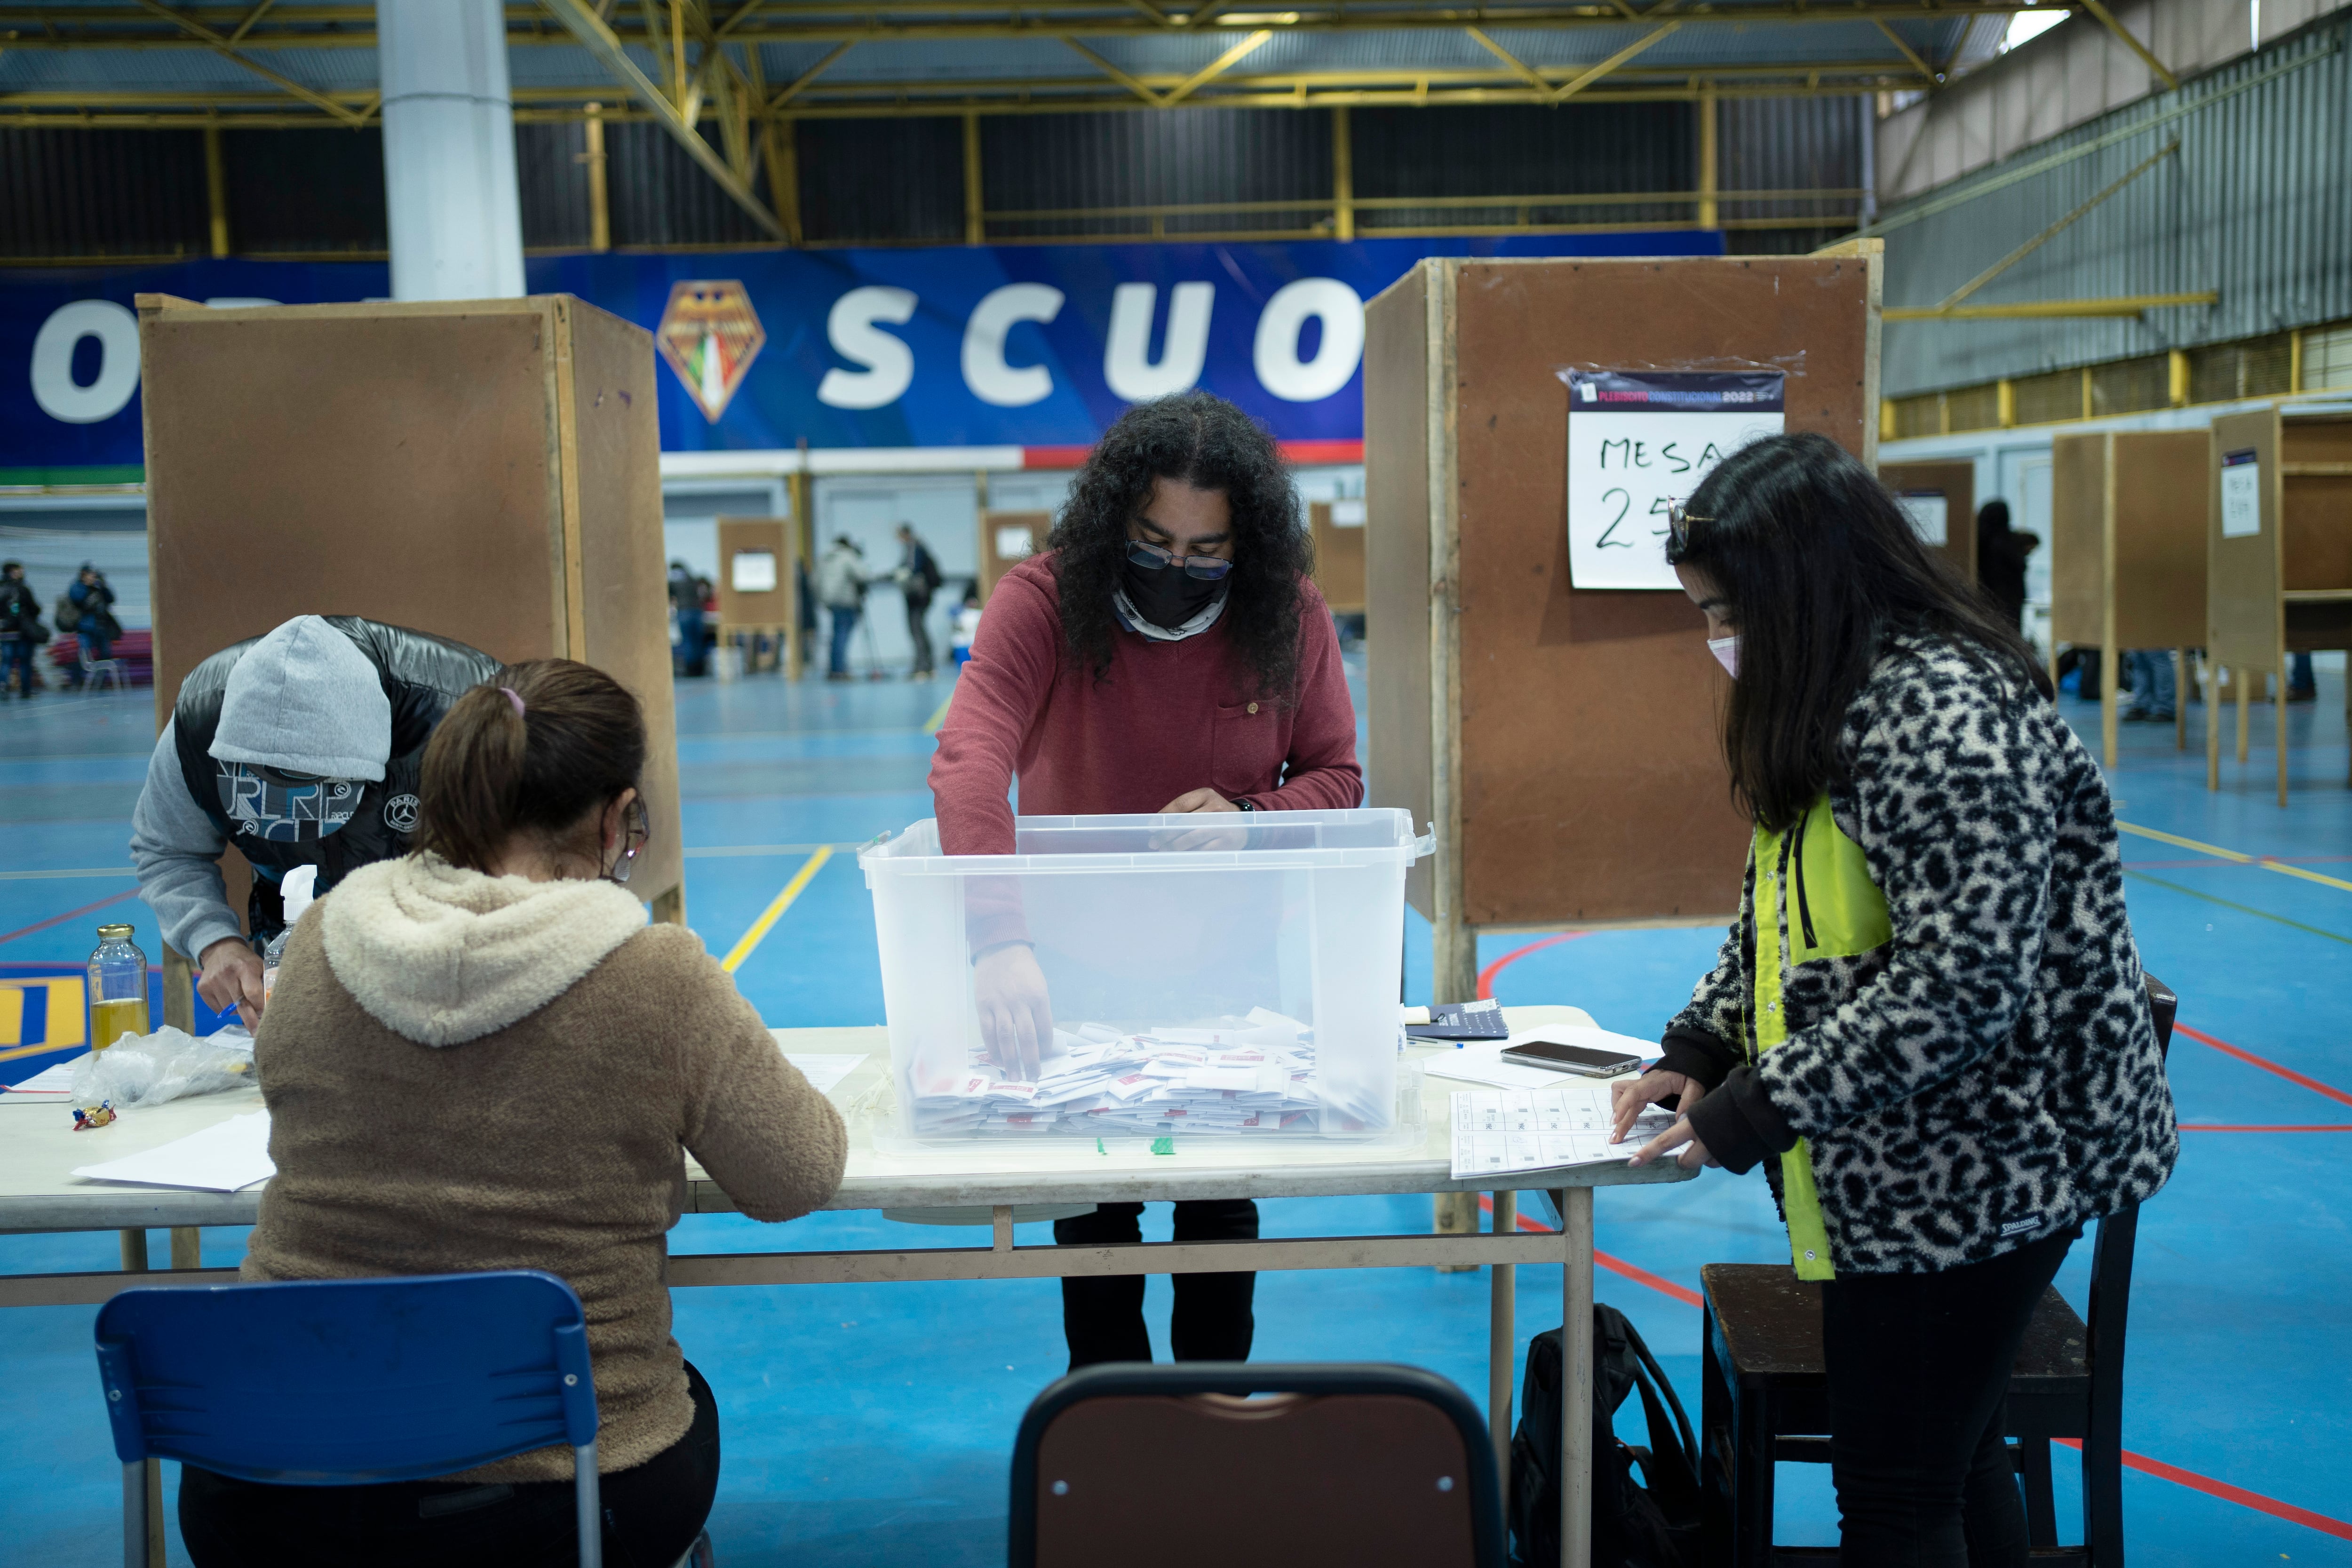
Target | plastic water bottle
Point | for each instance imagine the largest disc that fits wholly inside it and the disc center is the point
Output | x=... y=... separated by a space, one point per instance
x=296 y=892
x=118 y=987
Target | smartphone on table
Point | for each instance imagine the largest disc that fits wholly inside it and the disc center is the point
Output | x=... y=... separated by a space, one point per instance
x=1583 y=1059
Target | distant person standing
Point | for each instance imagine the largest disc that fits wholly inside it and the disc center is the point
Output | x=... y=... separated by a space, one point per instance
x=94 y=626
x=918 y=579
x=21 y=632
x=967 y=626
x=685 y=609
x=2001 y=561
x=841 y=585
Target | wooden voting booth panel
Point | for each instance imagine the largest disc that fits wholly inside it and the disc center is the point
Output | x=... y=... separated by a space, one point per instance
x=1337 y=529
x=1954 y=485
x=2127 y=519
x=1006 y=540
x=744 y=605
x=2281 y=567
x=1564 y=742
x=486 y=470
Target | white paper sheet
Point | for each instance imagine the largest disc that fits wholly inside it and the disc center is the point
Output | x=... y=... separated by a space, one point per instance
x=49 y=1084
x=223 y=1158
x=824 y=1070
x=2242 y=494
x=1497 y=1131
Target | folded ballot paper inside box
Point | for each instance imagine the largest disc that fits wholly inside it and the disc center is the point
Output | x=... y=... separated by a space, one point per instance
x=1231 y=974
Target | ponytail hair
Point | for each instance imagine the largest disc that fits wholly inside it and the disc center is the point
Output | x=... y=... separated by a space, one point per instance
x=537 y=750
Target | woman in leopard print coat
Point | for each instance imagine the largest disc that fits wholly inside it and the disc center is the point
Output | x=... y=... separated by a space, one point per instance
x=1929 y=1022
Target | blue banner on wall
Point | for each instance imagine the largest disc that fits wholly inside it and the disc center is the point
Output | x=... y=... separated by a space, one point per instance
x=986 y=345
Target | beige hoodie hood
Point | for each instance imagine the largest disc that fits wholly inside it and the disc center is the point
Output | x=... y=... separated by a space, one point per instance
x=443 y=955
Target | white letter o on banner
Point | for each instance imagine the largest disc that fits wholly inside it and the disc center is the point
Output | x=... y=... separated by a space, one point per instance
x=1280 y=370
x=54 y=388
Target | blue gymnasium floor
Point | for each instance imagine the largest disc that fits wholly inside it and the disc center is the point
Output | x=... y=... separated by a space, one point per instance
x=870 y=1424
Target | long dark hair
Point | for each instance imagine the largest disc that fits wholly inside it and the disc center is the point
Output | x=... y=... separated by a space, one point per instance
x=1818 y=566
x=549 y=742
x=1209 y=444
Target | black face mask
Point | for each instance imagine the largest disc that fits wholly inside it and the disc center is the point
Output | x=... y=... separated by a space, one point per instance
x=1168 y=596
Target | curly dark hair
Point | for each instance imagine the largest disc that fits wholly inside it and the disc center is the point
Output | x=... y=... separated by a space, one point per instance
x=1205 y=442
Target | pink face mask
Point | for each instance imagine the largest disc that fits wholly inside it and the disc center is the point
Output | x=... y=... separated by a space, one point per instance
x=1726 y=654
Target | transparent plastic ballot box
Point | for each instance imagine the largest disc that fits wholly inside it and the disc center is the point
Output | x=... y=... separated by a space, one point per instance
x=1218 y=974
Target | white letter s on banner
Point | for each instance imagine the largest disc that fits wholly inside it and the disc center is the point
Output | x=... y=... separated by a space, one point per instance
x=890 y=363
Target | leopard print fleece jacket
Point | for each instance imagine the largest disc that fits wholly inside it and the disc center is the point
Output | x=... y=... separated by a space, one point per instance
x=1990 y=1075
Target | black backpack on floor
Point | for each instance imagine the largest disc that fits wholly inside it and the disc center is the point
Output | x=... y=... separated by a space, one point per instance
x=1659 y=1525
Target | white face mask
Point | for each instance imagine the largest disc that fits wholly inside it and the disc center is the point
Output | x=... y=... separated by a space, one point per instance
x=1726 y=654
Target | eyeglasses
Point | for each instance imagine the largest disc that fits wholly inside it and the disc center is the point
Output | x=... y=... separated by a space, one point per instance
x=1679 y=519
x=1152 y=558
x=637 y=829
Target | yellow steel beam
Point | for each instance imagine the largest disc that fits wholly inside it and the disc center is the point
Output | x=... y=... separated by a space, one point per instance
x=2107 y=18
x=250 y=18
x=2047 y=235
x=1215 y=68
x=1519 y=67
x=2048 y=310
x=1908 y=52
x=800 y=83
x=220 y=45
x=1614 y=61
x=579 y=17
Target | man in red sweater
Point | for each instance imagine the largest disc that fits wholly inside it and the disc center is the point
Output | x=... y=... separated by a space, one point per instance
x=1166 y=654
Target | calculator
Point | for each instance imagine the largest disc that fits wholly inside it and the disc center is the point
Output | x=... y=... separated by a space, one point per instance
x=1462 y=1021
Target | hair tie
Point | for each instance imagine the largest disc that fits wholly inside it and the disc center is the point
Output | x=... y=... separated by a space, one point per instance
x=514 y=696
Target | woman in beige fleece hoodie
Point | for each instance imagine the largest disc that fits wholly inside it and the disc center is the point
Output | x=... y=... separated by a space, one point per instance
x=480 y=1055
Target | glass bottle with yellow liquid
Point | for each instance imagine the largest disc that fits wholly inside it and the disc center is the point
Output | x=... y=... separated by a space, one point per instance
x=118 y=987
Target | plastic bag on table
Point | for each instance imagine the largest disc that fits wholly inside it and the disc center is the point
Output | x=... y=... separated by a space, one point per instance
x=149 y=1069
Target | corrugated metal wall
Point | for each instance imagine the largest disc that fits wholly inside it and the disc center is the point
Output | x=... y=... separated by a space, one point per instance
x=889 y=180
x=1789 y=144
x=1515 y=150
x=2257 y=205
x=102 y=193
x=1047 y=162
x=74 y=193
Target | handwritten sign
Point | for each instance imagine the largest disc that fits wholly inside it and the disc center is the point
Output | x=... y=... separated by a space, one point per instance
x=1637 y=442
x=2242 y=494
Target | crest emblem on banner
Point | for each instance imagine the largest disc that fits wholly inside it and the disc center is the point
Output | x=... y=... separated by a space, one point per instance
x=710 y=334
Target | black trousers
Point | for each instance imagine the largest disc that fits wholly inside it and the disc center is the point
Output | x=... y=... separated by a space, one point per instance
x=918 y=632
x=1103 y=1318
x=1919 y=1377
x=652 y=1512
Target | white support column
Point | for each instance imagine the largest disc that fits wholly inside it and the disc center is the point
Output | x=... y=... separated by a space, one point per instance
x=448 y=150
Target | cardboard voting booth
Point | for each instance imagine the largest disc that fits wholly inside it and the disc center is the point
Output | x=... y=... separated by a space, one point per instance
x=758 y=595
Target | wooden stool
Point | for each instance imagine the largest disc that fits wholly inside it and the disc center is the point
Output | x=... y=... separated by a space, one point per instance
x=1765 y=1394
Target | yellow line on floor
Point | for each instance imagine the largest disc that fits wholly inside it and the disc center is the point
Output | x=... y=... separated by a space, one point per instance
x=2215 y=850
x=769 y=916
x=931 y=725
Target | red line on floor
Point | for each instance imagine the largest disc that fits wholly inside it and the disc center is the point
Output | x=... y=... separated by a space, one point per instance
x=2244 y=1055
x=2250 y=1126
x=1689 y=1297
x=1487 y=976
x=2228 y=1493
x=71 y=914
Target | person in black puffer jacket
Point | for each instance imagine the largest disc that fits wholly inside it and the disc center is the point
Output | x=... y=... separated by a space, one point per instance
x=1929 y=1023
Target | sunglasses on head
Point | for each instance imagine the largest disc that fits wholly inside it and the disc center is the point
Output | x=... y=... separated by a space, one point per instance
x=1152 y=558
x=1679 y=518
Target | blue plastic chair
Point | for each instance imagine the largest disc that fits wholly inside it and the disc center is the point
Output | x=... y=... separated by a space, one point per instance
x=348 y=1382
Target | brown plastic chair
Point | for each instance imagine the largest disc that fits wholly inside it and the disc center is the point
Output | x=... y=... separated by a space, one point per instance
x=1171 y=1466
x=1765 y=1397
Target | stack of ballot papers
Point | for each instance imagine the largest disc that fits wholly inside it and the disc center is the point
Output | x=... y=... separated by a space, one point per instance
x=1247 y=1075
x=1567 y=1123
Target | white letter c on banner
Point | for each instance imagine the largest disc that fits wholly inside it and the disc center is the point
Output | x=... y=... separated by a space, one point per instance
x=1280 y=370
x=984 y=370
x=54 y=387
x=889 y=364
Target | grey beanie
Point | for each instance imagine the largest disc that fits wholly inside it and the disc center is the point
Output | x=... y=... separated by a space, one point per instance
x=307 y=699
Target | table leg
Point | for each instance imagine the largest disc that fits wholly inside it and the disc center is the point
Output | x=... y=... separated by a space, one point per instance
x=2180 y=677
x=1457 y=1215
x=2211 y=682
x=2243 y=682
x=1576 y=1381
x=1501 y=1340
x=187 y=1247
x=135 y=1262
